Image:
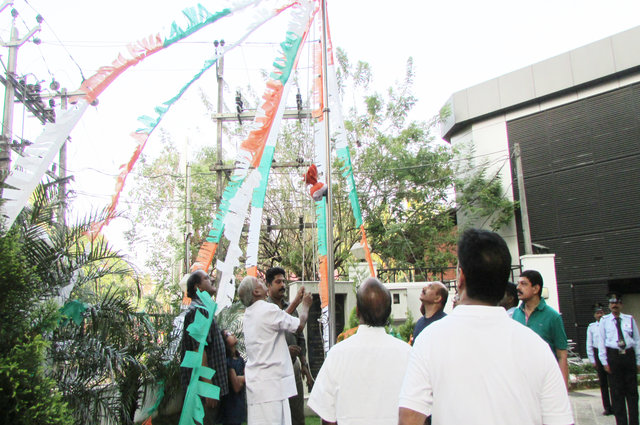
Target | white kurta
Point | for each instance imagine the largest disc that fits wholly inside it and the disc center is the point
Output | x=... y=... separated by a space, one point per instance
x=478 y=366
x=268 y=372
x=360 y=379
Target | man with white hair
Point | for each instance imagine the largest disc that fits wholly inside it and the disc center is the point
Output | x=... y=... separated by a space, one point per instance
x=269 y=373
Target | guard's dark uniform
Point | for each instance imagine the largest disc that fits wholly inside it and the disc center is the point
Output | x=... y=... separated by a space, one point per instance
x=620 y=350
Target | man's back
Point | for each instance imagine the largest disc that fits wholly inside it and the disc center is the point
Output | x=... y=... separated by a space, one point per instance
x=360 y=379
x=477 y=366
x=269 y=373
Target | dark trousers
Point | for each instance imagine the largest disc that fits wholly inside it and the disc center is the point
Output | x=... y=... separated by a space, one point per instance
x=296 y=403
x=604 y=383
x=624 y=385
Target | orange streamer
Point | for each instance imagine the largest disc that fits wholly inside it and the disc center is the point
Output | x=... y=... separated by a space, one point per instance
x=324 y=282
x=257 y=139
x=367 y=252
x=318 y=89
x=95 y=85
x=252 y=271
x=205 y=256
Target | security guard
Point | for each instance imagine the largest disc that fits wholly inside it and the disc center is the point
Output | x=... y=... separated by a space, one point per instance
x=593 y=339
x=619 y=353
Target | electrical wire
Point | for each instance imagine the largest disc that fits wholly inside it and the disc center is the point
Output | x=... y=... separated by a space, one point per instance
x=60 y=41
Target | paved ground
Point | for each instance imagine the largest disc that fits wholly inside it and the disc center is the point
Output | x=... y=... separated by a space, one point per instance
x=587 y=408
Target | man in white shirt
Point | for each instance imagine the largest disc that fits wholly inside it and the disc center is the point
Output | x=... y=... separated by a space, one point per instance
x=360 y=379
x=619 y=352
x=593 y=341
x=478 y=366
x=269 y=373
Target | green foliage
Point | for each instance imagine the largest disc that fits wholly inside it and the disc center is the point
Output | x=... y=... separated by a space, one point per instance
x=406 y=178
x=27 y=395
x=406 y=329
x=55 y=371
x=353 y=320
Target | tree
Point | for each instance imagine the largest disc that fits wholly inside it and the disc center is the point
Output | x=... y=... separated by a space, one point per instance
x=406 y=177
x=91 y=367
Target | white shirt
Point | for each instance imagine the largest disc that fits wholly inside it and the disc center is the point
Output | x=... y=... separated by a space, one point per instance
x=478 y=366
x=360 y=379
x=268 y=372
x=609 y=335
x=593 y=340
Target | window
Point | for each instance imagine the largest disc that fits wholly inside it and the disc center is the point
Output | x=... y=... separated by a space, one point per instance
x=396 y=298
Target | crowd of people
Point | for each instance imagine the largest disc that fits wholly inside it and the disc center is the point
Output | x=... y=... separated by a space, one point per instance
x=489 y=361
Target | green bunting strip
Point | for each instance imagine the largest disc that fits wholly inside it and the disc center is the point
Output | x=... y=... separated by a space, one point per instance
x=192 y=408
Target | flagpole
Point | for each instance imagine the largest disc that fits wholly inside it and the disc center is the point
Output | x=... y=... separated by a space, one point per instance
x=329 y=206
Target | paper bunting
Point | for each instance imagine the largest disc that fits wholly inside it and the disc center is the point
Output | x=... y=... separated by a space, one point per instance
x=244 y=181
x=198 y=330
x=198 y=18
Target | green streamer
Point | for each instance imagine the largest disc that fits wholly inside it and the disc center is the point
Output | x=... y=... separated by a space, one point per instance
x=198 y=330
x=347 y=171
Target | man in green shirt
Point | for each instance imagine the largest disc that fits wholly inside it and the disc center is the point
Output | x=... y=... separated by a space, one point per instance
x=534 y=313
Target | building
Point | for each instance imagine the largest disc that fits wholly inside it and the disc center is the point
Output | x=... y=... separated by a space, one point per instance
x=576 y=119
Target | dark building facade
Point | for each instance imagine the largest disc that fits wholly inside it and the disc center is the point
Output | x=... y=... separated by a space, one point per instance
x=577 y=123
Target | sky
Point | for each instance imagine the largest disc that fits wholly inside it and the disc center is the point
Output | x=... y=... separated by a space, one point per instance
x=454 y=44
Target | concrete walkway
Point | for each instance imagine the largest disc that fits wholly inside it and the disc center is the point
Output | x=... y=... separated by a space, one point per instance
x=587 y=408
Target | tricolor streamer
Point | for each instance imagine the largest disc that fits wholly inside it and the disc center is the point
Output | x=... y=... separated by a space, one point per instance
x=198 y=18
x=339 y=134
x=320 y=160
x=198 y=330
x=247 y=176
x=259 y=194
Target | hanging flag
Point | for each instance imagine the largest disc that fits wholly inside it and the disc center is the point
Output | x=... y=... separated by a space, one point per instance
x=28 y=169
x=339 y=134
x=198 y=18
x=247 y=175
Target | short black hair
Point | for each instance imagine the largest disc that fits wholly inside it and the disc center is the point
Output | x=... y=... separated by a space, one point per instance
x=486 y=262
x=272 y=273
x=373 y=300
x=510 y=298
x=193 y=281
x=534 y=277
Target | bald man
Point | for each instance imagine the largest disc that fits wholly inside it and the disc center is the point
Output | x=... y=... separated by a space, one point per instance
x=361 y=377
x=433 y=298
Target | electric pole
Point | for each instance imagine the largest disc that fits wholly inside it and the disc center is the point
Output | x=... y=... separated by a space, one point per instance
x=187 y=219
x=524 y=212
x=219 y=74
x=7 y=119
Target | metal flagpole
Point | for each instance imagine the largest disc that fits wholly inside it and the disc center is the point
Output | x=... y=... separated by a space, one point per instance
x=329 y=207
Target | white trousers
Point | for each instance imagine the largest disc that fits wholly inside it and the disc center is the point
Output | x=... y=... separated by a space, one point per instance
x=269 y=413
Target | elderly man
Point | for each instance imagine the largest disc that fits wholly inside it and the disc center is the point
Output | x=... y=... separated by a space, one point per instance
x=619 y=353
x=535 y=314
x=361 y=377
x=478 y=366
x=433 y=297
x=214 y=355
x=269 y=373
x=277 y=289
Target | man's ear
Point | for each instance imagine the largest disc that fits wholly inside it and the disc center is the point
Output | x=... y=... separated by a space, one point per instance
x=462 y=281
x=539 y=293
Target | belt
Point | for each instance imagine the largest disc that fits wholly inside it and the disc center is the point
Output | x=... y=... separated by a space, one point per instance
x=620 y=351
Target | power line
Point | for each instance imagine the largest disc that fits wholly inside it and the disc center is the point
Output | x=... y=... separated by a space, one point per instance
x=60 y=41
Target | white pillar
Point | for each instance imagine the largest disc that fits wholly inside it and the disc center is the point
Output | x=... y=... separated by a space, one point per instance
x=546 y=265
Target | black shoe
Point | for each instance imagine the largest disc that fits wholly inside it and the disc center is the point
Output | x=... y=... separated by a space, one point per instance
x=607 y=413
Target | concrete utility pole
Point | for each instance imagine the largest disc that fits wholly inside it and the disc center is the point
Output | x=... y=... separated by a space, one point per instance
x=187 y=219
x=329 y=197
x=219 y=74
x=7 y=119
x=524 y=212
